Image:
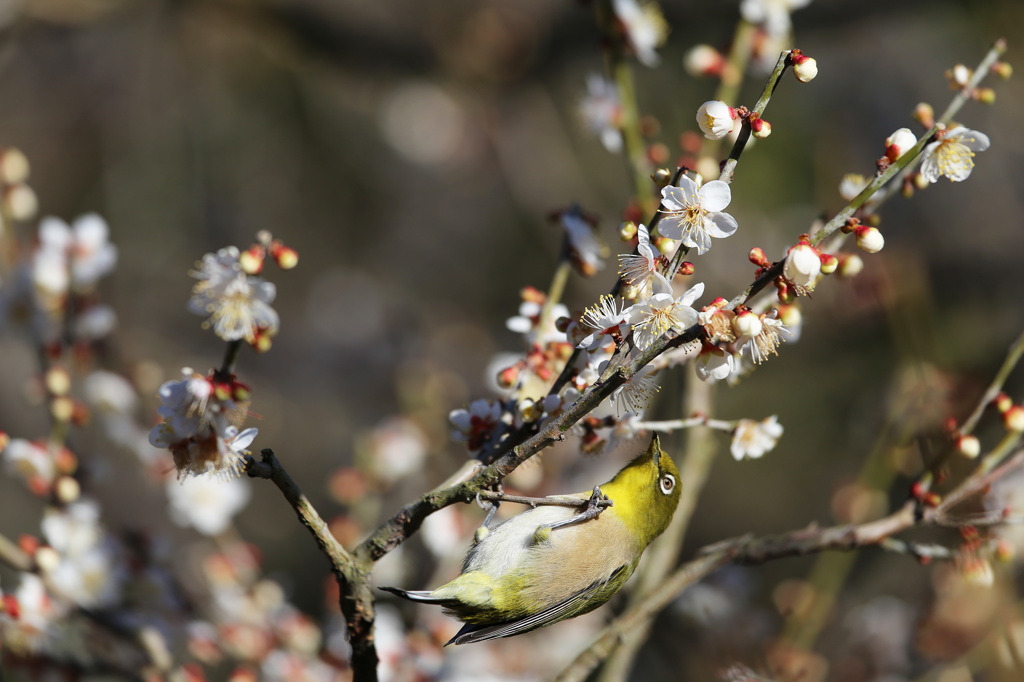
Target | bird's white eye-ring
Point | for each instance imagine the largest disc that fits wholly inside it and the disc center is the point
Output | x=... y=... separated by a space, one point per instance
x=667 y=483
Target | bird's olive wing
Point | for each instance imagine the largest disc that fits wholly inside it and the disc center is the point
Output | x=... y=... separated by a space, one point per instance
x=572 y=606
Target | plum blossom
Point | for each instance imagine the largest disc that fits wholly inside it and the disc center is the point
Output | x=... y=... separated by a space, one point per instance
x=205 y=503
x=663 y=311
x=237 y=304
x=953 y=154
x=73 y=256
x=752 y=439
x=635 y=269
x=637 y=393
x=604 y=320
x=586 y=249
x=200 y=427
x=693 y=214
x=802 y=267
x=475 y=424
x=716 y=119
x=766 y=340
x=601 y=110
x=645 y=27
x=714 y=364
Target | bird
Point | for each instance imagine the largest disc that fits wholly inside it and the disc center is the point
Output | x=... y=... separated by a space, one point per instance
x=549 y=563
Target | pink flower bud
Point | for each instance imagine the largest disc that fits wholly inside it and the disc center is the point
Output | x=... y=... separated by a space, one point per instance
x=925 y=115
x=703 y=60
x=804 y=68
x=870 y=239
x=899 y=143
x=968 y=446
x=829 y=263
x=758 y=258
x=760 y=127
x=1013 y=419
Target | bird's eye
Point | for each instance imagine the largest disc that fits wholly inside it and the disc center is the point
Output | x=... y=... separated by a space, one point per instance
x=667 y=483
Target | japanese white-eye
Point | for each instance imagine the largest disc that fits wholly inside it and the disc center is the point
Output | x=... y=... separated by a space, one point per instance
x=551 y=563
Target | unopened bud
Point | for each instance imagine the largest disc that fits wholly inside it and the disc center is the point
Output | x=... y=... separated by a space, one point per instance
x=703 y=60
x=985 y=95
x=920 y=181
x=746 y=324
x=285 y=257
x=20 y=202
x=925 y=115
x=850 y=265
x=67 y=489
x=9 y=605
x=532 y=295
x=62 y=408
x=760 y=128
x=758 y=258
x=251 y=260
x=507 y=377
x=790 y=315
x=968 y=446
x=804 y=68
x=1013 y=418
x=47 y=559
x=1002 y=69
x=1004 y=552
x=627 y=231
x=661 y=177
x=870 y=239
x=241 y=393
x=958 y=76
x=1002 y=402
x=685 y=269
x=899 y=143
x=664 y=244
x=261 y=341
x=14 y=166
x=58 y=381
x=785 y=292
x=829 y=263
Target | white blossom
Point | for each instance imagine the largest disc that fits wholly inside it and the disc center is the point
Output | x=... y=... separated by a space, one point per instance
x=953 y=155
x=604 y=319
x=694 y=215
x=663 y=311
x=601 y=110
x=637 y=393
x=716 y=119
x=645 y=27
x=803 y=266
x=635 y=269
x=752 y=439
x=206 y=504
x=238 y=305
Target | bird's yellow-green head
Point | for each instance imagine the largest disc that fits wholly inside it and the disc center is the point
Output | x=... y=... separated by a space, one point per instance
x=645 y=493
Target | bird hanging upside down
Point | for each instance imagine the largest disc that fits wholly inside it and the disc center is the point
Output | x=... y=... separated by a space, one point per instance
x=551 y=563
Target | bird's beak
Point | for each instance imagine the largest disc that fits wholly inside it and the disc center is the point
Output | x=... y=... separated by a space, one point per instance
x=655 y=448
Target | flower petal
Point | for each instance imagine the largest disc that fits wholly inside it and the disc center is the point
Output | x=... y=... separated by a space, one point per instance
x=692 y=294
x=720 y=225
x=715 y=195
x=975 y=141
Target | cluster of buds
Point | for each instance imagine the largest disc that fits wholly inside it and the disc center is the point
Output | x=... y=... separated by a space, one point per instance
x=868 y=237
x=804 y=68
x=253 y=258
x=1013 y=414
x=19 y=200
x=717 y=119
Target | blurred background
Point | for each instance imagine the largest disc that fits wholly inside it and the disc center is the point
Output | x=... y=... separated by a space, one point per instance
x=410 y=152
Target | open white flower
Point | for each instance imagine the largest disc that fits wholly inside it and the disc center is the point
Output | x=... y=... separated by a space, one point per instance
x=635 y=269
x=694 y=215
x=605 y=319
x=953 y=155
x=637 y=393
x=714 y=364
x=238 y=305
x=663 y=311
x=601 y=110
x=205 y=503
x=752 y=439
